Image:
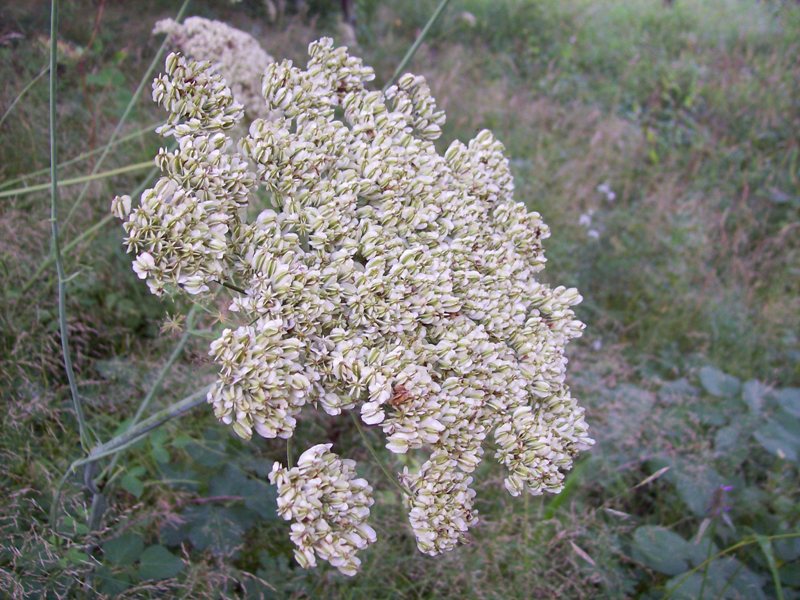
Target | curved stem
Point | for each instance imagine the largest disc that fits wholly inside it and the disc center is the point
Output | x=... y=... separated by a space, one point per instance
x=62 y=309
x=127 y=439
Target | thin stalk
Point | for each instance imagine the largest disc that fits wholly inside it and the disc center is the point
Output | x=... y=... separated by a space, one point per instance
x=375 y=457
x=85 y=234
x=97 y=509
x=127 y=439
x=232 y=286
x=417 y=43
x=24 y=91
x=75 y=159
x=289 y=459
x=83 y=179
x=131 y=103
x=708 y=555
x=62 y=309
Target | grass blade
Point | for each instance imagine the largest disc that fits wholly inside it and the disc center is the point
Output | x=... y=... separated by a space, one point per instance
x=24 y=91
x=766 y=549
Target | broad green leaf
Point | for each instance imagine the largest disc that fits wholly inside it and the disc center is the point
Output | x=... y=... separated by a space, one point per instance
x=111 y=583
x=719 y=384
x=132 y=484
x=789 y=400
x=696 y=483
x=256 y=495
x=216 y=528
x=123 y=550
x=754 y=394
x=787 y=549
x=724 y=578
x=780 y=439
x=661 y=550
x=159 y=563
x=157 y=441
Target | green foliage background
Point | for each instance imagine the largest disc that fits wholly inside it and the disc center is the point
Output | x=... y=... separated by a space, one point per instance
x=690 y=113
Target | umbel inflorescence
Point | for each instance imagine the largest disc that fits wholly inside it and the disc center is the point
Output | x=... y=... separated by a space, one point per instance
x=379 y=277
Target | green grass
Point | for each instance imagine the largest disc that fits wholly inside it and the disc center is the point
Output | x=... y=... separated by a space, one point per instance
x=690 y=114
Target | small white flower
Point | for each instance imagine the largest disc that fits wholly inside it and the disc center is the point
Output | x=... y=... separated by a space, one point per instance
x=143 y=264
x=121 y=206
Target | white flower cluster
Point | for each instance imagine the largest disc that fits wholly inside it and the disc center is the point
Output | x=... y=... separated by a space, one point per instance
x=329 y=506
x=440 y=507
x=237 y=55
x=383 y=277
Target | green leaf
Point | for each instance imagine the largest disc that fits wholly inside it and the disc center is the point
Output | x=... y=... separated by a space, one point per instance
x=696 y=483
x=787 y=549
x=719 y=384
x=216 y=528
x=789 y=400
x=725 y=578
x=754 y=393
x=157 y=441
x=159 y=563
x=790 y=574
x=132 y=484
x=123 y=550
x=111 y=583
x=256 y=495
x=661 y=550
x=780 y=439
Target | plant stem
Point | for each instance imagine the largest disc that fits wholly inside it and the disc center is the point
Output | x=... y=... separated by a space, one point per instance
x=127 y=439
x=131 y=103
x=98 y=507
x=708 y=555
x=232 y=286
x=415 y=46
x=24 y=91
x=62 y=310
x=375 y=457
x=83 y=179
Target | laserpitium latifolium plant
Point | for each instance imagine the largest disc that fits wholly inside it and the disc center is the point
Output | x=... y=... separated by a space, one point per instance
x=369 y=274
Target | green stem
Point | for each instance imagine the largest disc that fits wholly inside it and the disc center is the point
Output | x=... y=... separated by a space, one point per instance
x=289 y=459
x=232 y=286
x=24 y=91
x=375 y=457
x=131 y=103
x=127 y=439
x=708 y=555
x=415 y=46
x=62 y=310
x=136 y=134
x=83 y=179
x=96 y=513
